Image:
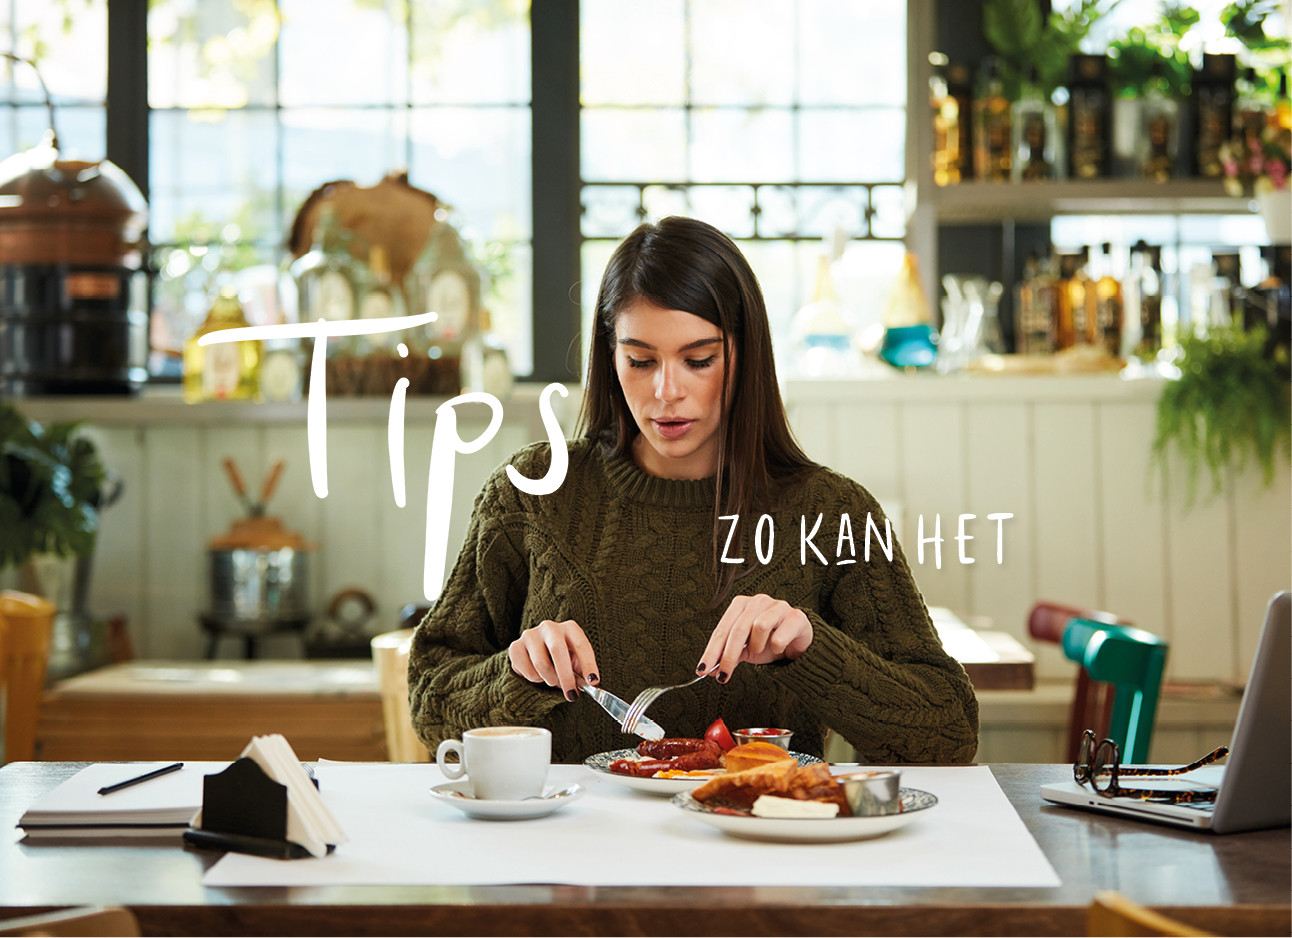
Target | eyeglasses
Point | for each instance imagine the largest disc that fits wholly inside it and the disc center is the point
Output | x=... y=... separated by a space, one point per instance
x=1099 y=766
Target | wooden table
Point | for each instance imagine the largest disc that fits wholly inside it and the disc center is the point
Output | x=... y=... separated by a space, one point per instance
x=1238 y=884
x=994 y=660
x=207 y=711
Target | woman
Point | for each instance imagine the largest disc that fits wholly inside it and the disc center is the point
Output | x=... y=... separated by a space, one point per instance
x=653 y=560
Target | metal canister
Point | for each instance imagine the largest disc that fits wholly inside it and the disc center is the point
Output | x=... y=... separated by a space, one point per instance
x=259 y=585
x=872 y=793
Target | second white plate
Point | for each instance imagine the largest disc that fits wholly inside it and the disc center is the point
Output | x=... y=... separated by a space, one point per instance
x=810 y=830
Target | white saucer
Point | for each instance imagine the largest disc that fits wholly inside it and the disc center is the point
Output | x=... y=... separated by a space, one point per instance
x=459 y=795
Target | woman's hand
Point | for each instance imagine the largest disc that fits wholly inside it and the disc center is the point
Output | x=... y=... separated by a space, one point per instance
x=757 y=629
x=554 y=653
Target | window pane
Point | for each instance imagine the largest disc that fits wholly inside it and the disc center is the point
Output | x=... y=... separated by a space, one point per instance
x=633 y=145
x=467 y=52
x=323 y=144
x=763 y=150
x=662 y=201
x=632 y=52
x=742 y=52
x=610 y=211
x=729 y=208
x=71 y=51
x=857 y=54
x=82 y=131
x=824 y=209
x=478 y=161
x=889 y=204
x=211 y=169
x=337 y=52
x=844 y=144
x=209 y=54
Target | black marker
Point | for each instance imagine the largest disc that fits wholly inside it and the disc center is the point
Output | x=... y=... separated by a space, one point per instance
x=131 y=782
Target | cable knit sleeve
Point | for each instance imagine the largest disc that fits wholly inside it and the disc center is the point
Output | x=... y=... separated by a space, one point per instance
x=459 y=676
x=876 y=671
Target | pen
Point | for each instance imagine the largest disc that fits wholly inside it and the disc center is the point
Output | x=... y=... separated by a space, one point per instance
x=131 y=782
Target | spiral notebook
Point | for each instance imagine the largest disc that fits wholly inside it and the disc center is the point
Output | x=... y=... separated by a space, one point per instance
x=1254 y=787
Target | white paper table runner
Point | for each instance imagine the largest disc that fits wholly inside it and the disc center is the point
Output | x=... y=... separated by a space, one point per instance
x=616 y=837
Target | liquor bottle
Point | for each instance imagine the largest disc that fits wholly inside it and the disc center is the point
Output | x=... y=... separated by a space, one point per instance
x=328 y=279
x=991 y=135
x=444 y=280
x=1252 y=113
x=1035 y=134
x=1034 y=308
x=1159 y=138
x=1281 y=113
x=950 y=98
x=380 y=300
x=1142 y=298
x=960 y=91
x=226 y=370
x=1213 y=103
x=1089 y=117
x=1074 y=302
x=1108 y=302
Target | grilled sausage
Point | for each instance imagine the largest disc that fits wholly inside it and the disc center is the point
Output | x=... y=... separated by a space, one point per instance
x=668 y=748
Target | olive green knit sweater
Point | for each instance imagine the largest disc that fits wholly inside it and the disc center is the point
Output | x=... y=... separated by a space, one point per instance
x=629 y=557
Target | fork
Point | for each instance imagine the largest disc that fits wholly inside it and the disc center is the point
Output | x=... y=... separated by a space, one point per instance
x=648 y=696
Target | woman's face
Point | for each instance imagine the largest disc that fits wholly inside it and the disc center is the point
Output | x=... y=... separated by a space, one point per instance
x=670 y=365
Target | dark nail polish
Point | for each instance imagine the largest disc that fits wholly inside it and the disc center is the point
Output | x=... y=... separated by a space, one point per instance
x=570 y=695
x=592 y=679
x=722 y=677
x=701 y=668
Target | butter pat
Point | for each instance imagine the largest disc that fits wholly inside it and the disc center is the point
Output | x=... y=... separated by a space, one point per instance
x=772 y=806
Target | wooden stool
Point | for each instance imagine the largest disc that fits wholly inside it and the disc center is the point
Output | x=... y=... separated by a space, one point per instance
x=26 y=631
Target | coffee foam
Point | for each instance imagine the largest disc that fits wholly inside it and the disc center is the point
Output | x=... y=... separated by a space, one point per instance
x=505 y=731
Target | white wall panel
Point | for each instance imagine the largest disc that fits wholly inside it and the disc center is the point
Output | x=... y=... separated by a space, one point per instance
x=933 y=465
x=1132 y=522
x=998 y=480
x=174 y=586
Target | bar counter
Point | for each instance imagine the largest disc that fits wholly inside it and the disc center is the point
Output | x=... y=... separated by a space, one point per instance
x=1239 y=884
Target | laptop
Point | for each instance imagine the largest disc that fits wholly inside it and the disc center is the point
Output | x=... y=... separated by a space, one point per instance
x=1255 y=786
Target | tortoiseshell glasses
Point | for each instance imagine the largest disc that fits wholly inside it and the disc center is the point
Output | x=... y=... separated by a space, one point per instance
x=1099 y=766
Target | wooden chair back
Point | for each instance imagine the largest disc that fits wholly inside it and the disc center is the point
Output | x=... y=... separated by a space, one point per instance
x=26 y=632
x=1092 y=701
x=1110 y=913
x=1132 y=661
x=390 y=655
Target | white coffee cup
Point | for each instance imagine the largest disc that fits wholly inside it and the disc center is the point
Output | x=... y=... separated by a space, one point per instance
x=504 y=763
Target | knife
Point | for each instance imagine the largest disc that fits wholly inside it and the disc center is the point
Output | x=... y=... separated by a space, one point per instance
x=617 y=708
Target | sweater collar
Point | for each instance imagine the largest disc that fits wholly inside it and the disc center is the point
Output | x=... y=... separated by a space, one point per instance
x=627 y=478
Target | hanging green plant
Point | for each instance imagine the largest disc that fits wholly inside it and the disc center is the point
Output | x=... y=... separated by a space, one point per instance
x=1231 y=404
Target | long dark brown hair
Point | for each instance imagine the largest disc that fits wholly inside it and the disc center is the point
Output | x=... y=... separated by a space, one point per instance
x=685 y=264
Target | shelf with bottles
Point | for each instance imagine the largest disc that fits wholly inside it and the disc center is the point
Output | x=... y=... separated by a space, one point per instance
x=986 y=202
x=1095 y=144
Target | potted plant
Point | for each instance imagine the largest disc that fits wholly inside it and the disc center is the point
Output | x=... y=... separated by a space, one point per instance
x=52 y=490
x=1230 y=404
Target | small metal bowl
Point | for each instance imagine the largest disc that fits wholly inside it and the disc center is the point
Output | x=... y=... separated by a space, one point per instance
x=764 y=734
x=872 y=793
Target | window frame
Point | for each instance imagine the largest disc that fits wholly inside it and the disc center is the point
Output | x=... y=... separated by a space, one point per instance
x=554 y=108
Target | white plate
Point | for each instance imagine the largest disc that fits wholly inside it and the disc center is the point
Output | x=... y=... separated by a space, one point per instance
x=458 y=794
x=600 y=763
x=810 y=830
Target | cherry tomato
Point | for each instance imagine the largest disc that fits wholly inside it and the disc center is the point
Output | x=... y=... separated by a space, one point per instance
x=718 y=733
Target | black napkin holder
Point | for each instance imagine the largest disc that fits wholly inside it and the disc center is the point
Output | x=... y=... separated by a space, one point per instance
x=245 y=811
